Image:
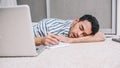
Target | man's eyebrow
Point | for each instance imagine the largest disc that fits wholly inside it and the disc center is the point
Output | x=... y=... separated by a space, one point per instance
x=82 y=27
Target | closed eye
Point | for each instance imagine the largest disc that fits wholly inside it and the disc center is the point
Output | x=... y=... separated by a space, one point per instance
x=81 y=27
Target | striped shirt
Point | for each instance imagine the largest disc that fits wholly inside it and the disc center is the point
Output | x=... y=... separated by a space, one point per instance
x=52 y=26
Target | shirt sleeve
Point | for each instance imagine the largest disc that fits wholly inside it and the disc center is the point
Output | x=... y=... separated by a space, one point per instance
x=40 y=29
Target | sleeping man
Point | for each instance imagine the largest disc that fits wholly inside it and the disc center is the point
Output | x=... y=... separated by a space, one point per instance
x=52 y=31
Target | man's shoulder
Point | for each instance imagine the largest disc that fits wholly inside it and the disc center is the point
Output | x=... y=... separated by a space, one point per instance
x=55 y=20
x=52 y=20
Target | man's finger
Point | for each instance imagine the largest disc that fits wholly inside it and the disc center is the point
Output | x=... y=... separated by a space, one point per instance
x=51 y=42
x=54 y=36
x=53 y=39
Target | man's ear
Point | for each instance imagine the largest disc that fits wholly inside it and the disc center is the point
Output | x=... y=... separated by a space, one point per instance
x=76 y=20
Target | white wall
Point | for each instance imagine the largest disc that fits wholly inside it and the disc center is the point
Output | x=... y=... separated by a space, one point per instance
x=118 y=17
x=37 y=7
x=7 y=3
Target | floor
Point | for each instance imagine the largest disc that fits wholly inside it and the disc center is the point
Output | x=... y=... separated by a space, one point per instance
x=77 y=55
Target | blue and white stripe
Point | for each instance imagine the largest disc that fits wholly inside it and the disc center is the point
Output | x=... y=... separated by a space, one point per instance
x=52 y=26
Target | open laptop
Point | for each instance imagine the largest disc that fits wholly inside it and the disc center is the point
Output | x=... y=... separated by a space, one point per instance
x=16 y=36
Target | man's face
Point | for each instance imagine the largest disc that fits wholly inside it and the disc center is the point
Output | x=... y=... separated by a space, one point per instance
x=80 y=29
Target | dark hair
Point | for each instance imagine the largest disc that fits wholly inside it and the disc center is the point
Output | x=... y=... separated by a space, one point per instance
x=93 y=21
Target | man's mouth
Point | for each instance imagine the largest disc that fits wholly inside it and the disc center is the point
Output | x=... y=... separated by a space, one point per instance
x=71 y=36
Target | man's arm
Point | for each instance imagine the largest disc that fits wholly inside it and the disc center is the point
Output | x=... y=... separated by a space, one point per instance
x=54 y=39
x=47 y=40
x=93 y=38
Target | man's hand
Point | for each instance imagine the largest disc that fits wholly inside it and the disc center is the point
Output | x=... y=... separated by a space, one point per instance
x=50 y=39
